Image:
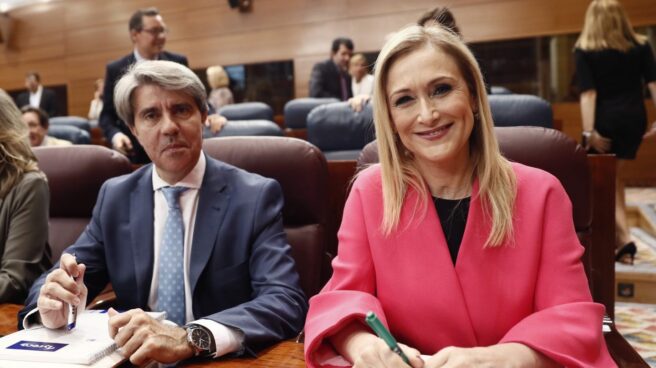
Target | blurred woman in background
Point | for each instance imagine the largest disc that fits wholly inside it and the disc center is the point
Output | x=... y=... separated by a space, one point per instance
x=24 y=206
x=613 y=64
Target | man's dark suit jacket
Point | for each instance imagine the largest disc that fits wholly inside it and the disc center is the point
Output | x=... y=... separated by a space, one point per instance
x=241 y=271
x=325 y=81
x=109 y=120
x=48 y=101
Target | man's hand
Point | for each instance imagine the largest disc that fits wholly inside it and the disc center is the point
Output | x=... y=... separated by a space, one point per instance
x=122 y=143
x=357 y=103
x=143 y=338
x=61 y=289
x=215 y=122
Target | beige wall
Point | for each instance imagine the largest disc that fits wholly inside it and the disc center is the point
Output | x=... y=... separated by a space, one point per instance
x=70 y=41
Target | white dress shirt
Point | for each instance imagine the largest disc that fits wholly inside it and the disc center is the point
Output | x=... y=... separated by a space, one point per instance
x=227 y=339
x=35 y=98
x=364 y=87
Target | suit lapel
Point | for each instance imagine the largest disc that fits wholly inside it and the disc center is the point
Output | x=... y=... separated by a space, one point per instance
x=213 y=203
x=141 y=226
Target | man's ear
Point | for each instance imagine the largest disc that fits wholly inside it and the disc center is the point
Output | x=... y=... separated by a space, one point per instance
x=133 y=36
x=133 y=130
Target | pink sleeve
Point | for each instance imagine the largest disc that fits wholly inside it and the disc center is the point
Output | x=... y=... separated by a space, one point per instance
x=350 y=293
x=566 y=325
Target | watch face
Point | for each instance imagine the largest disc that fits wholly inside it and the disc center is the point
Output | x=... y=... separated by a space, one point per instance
x=200 y=338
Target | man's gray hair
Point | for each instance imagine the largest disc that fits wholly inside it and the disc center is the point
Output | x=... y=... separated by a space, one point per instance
x=165 y=74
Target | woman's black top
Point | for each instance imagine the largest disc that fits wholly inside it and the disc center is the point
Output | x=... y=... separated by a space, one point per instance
x=453 y=217
x=618 y=78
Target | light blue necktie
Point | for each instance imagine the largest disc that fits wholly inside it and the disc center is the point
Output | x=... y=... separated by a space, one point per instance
x=170 y=287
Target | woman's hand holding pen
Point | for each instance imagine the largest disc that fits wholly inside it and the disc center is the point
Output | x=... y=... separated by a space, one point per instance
x=62 y=286
x=378 y=354
x=357 y=344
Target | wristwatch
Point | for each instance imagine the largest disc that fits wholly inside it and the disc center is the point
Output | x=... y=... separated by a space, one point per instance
x=200 y=339
x=585 y=139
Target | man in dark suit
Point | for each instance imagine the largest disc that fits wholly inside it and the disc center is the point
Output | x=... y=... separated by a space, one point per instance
x=37 y=96
x=148 y=34
x=214 y=256
x=330 y=78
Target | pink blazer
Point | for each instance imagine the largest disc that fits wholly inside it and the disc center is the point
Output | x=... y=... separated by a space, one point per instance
x=533 y=292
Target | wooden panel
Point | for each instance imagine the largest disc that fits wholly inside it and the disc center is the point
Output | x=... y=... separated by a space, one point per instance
x=70 y=41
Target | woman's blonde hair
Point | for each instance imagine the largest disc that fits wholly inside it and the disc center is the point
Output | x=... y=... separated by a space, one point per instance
x=16 y=157
x=497 y=184
x=217 y=77
x=606 y=26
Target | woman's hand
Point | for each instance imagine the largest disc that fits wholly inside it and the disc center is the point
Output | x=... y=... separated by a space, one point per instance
x=378 y=354
x=651 y=132
x=512 y=355
x=599 y=143
x=357 y=344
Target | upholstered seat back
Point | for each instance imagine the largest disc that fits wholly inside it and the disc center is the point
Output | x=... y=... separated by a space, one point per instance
x=247 y=111
x=302 y=172
x=75 y=121
x=340 y=132
x=70 y=133
x=297 y=110
x=75 y=175
x=247 y=128
x=516 y=110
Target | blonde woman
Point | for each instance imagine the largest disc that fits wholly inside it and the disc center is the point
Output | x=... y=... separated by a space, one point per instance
x=219 y=82
x=24 y=201
x=467 y=258
x=612 y=63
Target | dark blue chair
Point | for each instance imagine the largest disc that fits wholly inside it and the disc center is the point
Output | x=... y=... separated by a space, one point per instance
x=499 y=90
x=69 y=133
x=338 y=131
x=247 y=111
x=75 y=121
x=518 y=110
x=297 y=110
x=247 y=128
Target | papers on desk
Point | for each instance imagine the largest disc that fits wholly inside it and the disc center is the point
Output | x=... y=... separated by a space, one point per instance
x=88 y=344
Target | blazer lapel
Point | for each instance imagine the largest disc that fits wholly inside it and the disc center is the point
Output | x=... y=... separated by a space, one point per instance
x=141 y=226
x=213 y=203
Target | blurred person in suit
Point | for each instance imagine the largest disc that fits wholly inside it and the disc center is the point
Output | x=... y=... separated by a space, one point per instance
x=330 y=78
x=613 y=64
x=37 y=95
x=24 y=208
x=37 y=122
x=148 y=33
x=466 y=257
x=188 y=235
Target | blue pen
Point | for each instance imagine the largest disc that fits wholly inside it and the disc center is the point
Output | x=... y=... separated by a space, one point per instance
x=72 y=314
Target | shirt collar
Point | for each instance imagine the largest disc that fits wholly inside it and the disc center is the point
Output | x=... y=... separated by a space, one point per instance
x=193 y=180
x=39 y=89
x=140 y=58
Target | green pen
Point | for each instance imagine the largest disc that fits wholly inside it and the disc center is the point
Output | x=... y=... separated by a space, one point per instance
x=380 y=330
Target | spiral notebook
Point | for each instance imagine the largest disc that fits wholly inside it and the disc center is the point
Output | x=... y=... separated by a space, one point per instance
x=87 y=343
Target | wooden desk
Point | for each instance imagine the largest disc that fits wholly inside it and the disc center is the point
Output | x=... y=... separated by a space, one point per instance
x=289 y=354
